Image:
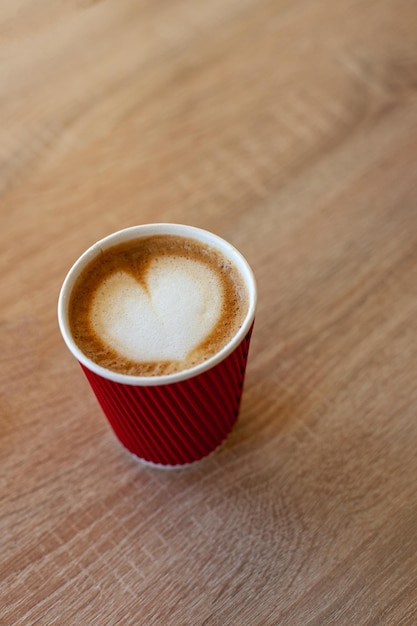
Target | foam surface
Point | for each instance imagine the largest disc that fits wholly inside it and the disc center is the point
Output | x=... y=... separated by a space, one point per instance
x=162 y=317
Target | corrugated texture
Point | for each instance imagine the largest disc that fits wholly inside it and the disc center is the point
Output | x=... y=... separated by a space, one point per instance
x=177 y=423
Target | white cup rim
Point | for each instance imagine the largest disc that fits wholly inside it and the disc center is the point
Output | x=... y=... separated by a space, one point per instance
x=144 y=230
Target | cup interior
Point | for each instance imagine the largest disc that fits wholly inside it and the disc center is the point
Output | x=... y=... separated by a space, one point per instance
x=145 y=230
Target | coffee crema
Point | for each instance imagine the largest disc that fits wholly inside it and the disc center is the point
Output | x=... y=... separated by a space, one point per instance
x=156 y=305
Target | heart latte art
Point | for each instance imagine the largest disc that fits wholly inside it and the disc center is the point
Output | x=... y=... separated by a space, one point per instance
x=163 y=319
x=156 y=305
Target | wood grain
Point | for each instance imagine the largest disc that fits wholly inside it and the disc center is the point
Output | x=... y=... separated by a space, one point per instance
x=289 y=128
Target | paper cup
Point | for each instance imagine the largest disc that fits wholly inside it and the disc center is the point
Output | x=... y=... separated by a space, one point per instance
x=175 y=419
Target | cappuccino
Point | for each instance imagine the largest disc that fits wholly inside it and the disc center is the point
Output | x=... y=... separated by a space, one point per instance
x=156 y=305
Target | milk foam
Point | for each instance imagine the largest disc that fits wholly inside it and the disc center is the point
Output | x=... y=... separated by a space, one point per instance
x=161 y=317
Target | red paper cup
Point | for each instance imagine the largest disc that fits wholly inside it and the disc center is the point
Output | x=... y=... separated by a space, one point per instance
x=175 y=419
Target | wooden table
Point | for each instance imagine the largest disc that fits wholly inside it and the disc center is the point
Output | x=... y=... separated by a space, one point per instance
x=290 y=129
